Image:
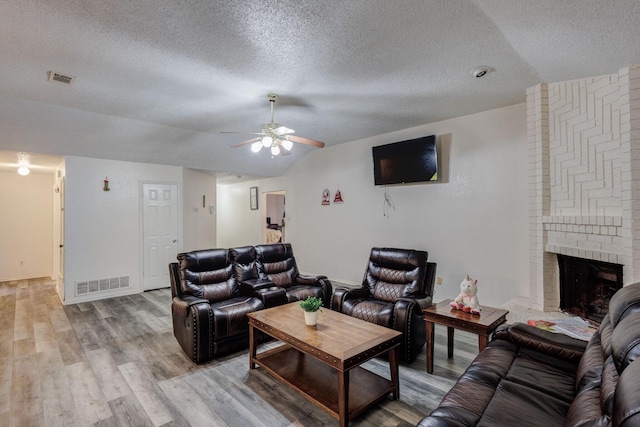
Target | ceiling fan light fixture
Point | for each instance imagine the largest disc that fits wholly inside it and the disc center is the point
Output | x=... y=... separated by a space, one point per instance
x=256 y=146
x=275 y=136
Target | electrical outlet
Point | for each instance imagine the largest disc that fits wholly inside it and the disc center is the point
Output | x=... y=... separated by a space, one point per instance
x=439 y=280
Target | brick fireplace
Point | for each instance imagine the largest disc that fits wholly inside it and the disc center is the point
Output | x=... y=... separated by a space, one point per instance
x=583 y=140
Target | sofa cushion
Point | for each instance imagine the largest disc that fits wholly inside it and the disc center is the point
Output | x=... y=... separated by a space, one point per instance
x=627 y=408
x=589 y=373
x=373 y=311
x=625 y=341
x=230 y=316
x=207 y=274
x=244 y=263
x=547 y=374
x=276 y=263
x=608 y=385
x=518 y=405
x=301 y=292
x=585 y=410
x=282 y=273
x=624 y=302
x=400 y=272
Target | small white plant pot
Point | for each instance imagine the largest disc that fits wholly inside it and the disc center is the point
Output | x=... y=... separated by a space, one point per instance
x=311 y=318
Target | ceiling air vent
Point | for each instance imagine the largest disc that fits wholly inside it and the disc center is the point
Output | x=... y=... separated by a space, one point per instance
x=57 y=77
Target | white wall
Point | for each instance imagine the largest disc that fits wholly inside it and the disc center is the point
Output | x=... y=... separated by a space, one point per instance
x=238 y=225
x=199 y=223
x=26 y=226
x=475 y=221
x=102 y=228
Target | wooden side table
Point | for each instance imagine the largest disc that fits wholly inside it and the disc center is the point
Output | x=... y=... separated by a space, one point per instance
x=442 y=314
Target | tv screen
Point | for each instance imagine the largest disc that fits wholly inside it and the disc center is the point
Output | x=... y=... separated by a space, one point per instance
x=414 y=160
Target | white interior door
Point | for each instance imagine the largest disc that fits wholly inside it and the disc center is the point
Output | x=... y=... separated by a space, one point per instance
x=60 y=278
x=160 y=233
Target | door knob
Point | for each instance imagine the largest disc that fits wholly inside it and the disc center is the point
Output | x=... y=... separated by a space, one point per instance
x=175 y=240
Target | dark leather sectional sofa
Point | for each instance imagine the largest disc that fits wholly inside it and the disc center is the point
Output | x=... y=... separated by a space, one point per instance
x=214 y=289
x=530 y=377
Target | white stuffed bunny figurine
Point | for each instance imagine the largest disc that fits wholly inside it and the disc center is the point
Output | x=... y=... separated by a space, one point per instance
x=467 y=300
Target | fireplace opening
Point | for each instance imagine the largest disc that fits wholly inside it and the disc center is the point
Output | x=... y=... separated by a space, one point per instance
x=586 y=286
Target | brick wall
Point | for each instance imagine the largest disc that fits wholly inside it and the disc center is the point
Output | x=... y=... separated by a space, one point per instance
x=584 y=177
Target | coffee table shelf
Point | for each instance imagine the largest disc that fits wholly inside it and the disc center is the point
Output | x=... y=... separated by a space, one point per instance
x=318 y=382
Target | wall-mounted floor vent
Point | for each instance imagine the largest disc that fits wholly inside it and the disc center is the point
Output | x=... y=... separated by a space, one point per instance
x=101 y=285
x=57 y=77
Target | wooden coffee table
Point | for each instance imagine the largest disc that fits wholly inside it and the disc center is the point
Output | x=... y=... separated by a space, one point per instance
x=483 y=324
x=322 y=362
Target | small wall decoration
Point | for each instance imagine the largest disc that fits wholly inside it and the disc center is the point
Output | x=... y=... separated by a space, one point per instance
x=326 y=197
x=106 y=184
x=338 y=197
x=253 y=198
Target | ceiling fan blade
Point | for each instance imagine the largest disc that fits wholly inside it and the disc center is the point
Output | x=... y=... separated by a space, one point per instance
x=248 y=141
x=303 y=140
x=283 y=130
x=245 y=132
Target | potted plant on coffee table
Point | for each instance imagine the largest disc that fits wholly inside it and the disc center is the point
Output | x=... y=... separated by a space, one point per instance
x=311 y=306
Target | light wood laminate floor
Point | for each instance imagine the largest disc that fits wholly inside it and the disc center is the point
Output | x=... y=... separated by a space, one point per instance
x=115 y=362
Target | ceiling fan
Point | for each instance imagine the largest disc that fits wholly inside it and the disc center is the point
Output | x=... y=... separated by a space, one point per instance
x=275 y=136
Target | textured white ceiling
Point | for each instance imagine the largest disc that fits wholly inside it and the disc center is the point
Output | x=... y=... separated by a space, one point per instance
x=156 y=81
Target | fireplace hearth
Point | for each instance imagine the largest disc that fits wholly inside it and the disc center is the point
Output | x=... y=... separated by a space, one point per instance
x=586 y=286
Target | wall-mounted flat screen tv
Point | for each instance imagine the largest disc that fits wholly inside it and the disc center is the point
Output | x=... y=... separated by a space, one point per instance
x=414 y=160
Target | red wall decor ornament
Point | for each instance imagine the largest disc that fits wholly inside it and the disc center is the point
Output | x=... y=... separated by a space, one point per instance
x=326 y=197
x=338 y=197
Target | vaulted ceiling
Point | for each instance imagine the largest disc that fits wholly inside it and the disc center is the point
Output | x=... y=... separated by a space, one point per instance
x=157 y=81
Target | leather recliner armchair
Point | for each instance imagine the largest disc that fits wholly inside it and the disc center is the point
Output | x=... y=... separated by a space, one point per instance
x=277 y=264
x=208 y=309
x=397 y=285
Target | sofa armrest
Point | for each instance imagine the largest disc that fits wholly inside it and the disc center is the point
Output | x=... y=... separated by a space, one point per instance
x=305 y=279
x=174 y=277
x=340 y=295
x=181 y=305
x=192 y=319
x=321 y=281
x=270 y=296
x=253 y=285
x=408 y=319
x=423 y=301
x=554 y=344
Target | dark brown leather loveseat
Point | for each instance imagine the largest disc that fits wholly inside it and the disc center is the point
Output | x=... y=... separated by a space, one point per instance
x=214 y=289
x=530 y=377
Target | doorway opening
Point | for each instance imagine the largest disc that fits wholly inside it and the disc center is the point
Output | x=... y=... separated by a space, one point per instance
x=275 y=223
